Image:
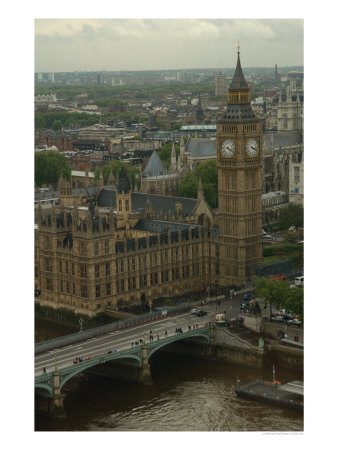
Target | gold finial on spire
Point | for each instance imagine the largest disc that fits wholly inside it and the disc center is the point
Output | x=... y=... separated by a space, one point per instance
x=238 y=47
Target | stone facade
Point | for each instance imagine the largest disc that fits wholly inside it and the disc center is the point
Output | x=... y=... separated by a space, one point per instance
x=85 y=263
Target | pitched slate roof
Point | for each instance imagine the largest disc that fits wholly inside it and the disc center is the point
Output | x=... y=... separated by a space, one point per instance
x=283 y=138
x=154 y=167
x=88 y=191
x=201 y=147
x=163 y=203
x=159 y=203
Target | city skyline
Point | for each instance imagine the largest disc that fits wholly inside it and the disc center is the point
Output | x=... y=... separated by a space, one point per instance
x=66 y=45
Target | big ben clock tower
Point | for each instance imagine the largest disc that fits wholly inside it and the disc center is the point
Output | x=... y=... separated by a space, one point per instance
x=239 y=163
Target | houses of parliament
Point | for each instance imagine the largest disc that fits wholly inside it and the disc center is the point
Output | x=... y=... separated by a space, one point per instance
x=109 y=246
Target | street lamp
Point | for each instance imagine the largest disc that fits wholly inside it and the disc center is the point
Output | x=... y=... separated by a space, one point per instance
x=80 y=322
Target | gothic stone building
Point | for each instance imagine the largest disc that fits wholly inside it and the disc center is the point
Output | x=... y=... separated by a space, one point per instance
x=107 y=246
x=118 y=247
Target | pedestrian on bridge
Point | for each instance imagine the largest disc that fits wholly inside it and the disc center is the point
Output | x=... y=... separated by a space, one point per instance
x=44 y=370
x=166 y=333
x=132 y=344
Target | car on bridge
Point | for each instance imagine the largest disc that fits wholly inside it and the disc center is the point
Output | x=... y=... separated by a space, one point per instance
x=201 y=313
x=194 y=311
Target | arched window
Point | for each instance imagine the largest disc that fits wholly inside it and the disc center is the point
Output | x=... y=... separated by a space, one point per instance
x=285 y=121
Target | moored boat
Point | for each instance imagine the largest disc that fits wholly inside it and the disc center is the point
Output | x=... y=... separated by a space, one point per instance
x=288 y=395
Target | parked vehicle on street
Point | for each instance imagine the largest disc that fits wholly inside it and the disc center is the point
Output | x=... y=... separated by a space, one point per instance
x=194 y=310
x=299 y=281
x=244 y=306
x=278 y=319
x=201 y=313
x=287 y=317
x=267 y=237
x=248 y=296
x=281 y=277
x=295 y=322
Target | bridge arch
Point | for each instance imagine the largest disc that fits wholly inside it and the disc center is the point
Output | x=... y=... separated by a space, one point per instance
x=183 y=337
x=103 y=359
x=45 y=386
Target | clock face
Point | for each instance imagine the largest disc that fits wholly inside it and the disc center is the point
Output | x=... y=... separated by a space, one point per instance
x=228 y=148
x=252 y=147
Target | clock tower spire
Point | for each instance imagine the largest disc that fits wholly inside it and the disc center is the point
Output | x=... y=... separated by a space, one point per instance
x=239 y=162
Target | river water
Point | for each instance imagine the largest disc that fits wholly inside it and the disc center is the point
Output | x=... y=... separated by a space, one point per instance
x=187 y=395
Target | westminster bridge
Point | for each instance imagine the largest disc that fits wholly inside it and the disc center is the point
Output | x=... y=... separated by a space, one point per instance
x=121 y=350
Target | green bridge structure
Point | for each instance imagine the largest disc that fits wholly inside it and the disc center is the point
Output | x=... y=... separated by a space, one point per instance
x=133 y=361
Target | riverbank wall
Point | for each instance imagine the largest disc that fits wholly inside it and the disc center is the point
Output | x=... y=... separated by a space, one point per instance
x=229 y=347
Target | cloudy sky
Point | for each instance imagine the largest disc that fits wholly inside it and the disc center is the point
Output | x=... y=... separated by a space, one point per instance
x=150 y=44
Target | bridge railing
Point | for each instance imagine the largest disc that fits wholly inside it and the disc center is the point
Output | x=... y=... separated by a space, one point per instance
x=77 y=337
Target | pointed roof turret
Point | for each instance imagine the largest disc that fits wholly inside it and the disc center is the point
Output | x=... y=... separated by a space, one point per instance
x=111 y=178
x=173 y=152
x=239 y=98
x=154 y=166
x=238 y=80
x=200 y=190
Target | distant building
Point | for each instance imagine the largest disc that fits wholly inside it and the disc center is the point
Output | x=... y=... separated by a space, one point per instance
x=277 y=75
x=297 y=75
x=99 y=79
x=220 y=85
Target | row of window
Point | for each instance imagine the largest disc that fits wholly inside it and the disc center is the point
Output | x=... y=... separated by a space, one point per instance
x=241 y=98
x=122 y=264
x=230 y=180
x=126 y=205
x=154 y=260
x=251 y=127
x=122 y=285
x=229 y=129
x=250 y=179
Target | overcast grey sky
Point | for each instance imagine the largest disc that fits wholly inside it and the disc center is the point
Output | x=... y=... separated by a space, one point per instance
x=150 y=44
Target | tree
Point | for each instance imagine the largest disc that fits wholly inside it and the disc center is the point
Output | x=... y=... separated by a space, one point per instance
x=278 y=294
x=40 y=122
x=274 y=292
x=188 y=186
x=295 y=302
x=49 y=166
x=165 y=153
x=57 y=125
x=208 y=173
x=292 y=214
